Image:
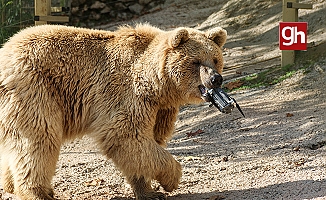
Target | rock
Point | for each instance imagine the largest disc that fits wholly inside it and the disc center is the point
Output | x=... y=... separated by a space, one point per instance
x=98 y=5
x=74 y=3
x=94 y=16
x=136 y=8
x=74 y=10
x=122 y=15
x=113 y=14
x=155 y=9
x=144 y=2
x=85 y=8
x=120 y=6
x=105 y=10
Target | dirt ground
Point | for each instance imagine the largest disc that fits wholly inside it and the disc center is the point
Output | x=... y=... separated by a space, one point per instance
x=277 y=152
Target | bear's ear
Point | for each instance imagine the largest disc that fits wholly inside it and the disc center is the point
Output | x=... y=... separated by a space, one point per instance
x=178 y=37
x=218 y=35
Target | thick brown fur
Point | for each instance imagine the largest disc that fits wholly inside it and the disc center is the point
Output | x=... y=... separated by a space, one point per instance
x=123 y=88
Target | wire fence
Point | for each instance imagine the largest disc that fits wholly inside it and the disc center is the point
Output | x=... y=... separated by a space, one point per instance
x=18 y=14
x=15 y=15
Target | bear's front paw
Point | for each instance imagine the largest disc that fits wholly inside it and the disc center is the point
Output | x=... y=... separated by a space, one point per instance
x=151 y=196
x=170 y=186
x=170 y=179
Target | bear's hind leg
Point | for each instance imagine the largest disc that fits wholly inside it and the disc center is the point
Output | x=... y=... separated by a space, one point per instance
x=7 y=179
x=32 y=177
x=33 y=168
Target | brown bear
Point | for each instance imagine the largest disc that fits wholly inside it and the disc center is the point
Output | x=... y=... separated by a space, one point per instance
x=123 y=88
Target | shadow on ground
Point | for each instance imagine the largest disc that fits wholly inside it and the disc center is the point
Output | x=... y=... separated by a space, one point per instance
x=304 y=189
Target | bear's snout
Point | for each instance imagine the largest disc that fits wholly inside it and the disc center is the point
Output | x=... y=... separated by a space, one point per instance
x=210 y=78
x=216 y=80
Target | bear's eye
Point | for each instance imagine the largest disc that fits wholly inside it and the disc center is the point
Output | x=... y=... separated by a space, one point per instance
x=196 y=62
x=215 y=61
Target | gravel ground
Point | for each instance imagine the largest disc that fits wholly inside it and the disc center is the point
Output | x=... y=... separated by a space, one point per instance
x=277 y=152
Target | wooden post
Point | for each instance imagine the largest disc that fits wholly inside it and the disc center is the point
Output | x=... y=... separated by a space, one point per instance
x=43 y=13
x=290 y=14
x=42 y=8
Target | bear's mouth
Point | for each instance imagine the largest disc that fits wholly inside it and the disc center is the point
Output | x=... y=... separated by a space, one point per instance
x=204 y=93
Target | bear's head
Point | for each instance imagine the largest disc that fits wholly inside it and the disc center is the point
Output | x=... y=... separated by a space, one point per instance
x=193 y=61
